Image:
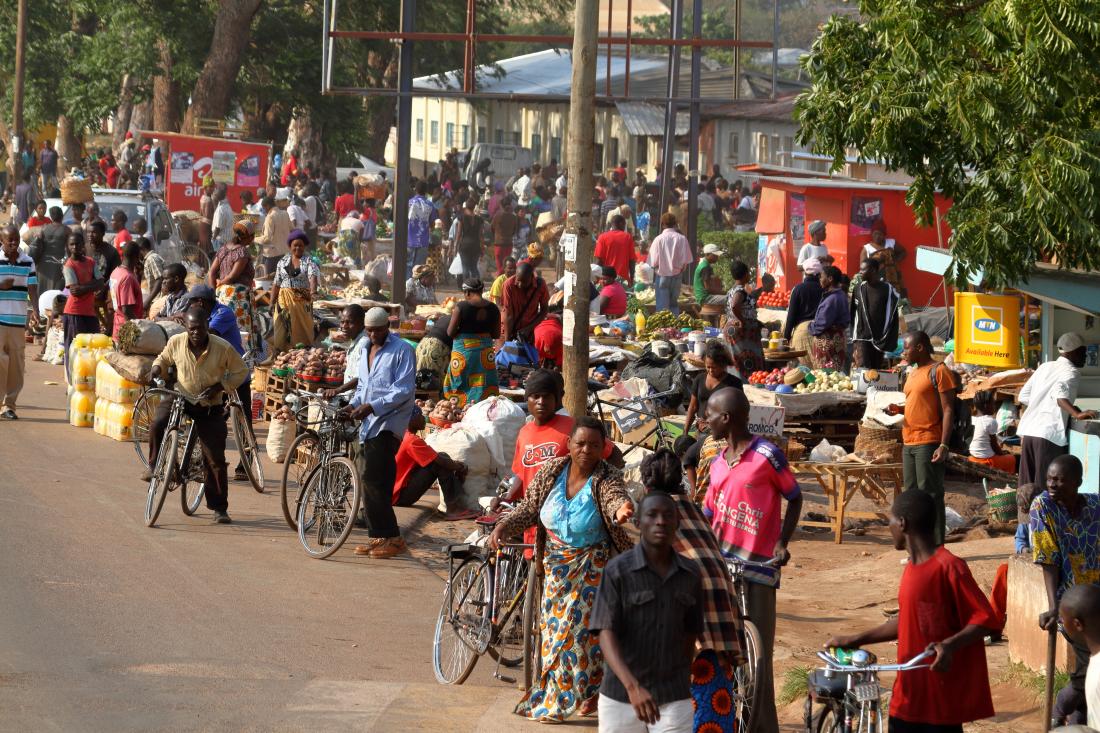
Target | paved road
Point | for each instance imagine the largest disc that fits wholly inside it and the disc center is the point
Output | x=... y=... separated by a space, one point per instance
x=106 y=625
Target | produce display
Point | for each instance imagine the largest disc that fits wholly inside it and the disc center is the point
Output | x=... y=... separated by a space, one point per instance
x=825 y=381
x=665 y=325
x=442 y=413
x=769 y=380
x=314 y=364
x=774 y=299
x=355 y=291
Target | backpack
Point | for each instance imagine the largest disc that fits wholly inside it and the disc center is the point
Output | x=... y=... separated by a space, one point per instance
x=962 y=429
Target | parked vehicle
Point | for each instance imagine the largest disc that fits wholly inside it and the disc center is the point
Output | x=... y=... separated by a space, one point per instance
x=166 y=237
x=505 y=160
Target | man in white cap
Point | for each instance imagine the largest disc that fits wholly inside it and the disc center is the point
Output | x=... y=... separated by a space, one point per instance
x=815 y=248
x=384 y=401
x=708 y=286
x=1048 y=396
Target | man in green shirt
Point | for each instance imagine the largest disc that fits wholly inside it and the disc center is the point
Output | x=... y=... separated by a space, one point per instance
x=708 y=287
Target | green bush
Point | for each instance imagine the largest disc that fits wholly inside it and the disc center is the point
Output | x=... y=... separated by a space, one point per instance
x=735 y=246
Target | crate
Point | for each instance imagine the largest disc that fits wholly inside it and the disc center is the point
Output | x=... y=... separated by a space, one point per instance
x=260 y=377
x=278 y=386
x=272 y=402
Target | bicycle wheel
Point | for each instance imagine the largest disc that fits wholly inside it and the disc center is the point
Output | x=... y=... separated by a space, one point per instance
x=824 y=719
x=745 y=677
x=507 y=644
x=453 y=655
x=303 y=457
x=142 y=421
x=162 y=476
x=248 y=448
x=329 y=502
x=193 y=482
x=532 y=635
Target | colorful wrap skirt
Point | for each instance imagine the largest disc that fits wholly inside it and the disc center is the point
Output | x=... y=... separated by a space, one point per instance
x=472 y=375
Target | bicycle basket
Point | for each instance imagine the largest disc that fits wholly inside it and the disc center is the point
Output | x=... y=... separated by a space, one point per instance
x=822 y=687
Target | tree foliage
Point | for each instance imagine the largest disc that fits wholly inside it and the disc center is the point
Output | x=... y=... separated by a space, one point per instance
x=992 y=102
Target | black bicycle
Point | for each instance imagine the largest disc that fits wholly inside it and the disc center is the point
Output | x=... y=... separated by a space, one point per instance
x=630 y=414
x=179 y=465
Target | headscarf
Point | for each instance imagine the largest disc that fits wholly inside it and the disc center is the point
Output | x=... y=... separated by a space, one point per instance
x=544 y=381
x=533 y=251
x=419 y=271
x=297 y=234
x=817 y=226
x=243 y=231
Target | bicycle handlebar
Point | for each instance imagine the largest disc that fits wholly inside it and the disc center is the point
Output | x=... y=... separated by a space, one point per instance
x=736 y=564
x=914 y=663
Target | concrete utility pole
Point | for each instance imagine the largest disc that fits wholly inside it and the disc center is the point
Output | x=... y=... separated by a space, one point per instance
x=15 y=160
x=582 y=131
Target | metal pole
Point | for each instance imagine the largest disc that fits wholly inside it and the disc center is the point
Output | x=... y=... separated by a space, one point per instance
x=404 y=151
x=693 y=128
x=737 y=49
x=582 y=133
x=775 y=47
x=671 y=106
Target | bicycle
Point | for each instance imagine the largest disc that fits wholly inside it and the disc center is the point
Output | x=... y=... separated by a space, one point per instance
x=853 y=697
x=244 y=436
x=745 y=675
x=305 y=453
x=178 y=464
x=331 y=494
x=491 y=605
x=638 y=411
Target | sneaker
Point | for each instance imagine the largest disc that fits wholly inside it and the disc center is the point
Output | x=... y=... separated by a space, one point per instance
x=389 y=548
x=367 y=547
x=222 y=518
x=239 y=474
x=8 y=414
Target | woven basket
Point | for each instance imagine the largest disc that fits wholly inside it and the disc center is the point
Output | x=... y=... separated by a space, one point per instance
x=879 y=444
x=76 y=191
x=1002 y=504
x=795 y=450
x=259 y=379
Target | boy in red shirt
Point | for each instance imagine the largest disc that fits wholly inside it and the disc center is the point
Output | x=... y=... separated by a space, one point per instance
x=125 y=288
x=940 y=608
x=419 y=466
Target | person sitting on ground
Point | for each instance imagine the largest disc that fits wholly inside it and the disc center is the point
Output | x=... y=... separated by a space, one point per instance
x=648 y=648
x=942 y=609
x=1064 y=526
x=419 y=466
x=709 y=289
x=374 y=289
x=611 y=301
x=549 y=337
x=985 y=449
x=420 y=288
x=1080 y=615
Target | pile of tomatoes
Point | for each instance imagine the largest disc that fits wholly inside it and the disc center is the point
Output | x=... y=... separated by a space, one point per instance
x=774 y=299
x=766 y=378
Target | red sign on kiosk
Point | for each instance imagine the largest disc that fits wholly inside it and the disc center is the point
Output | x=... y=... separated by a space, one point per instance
x=188 y=159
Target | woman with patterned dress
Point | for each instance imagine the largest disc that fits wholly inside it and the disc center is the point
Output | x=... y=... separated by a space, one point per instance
x=742 y=328
x=296 y=280
x=475 y=324
x=578 y=502
x=833 y=316
x=232 y=276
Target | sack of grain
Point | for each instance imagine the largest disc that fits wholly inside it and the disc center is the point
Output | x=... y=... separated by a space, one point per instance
x=76 y=191
x=133 y=367
x=146 y=337
x=280 y=434
x=466 y=445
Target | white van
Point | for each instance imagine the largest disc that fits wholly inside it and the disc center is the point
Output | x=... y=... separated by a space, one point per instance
x=504 y=160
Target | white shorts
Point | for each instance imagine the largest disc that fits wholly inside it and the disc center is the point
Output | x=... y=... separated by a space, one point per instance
x=619 y=717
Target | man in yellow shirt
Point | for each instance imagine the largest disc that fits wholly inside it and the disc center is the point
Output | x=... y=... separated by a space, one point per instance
x=496 y=292
x=206 y=367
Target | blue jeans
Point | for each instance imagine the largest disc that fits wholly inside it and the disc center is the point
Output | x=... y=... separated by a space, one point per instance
x=417 y=256
x=667 y=291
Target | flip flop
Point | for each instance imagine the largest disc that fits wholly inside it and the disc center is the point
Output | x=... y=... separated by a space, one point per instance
x=463 y=515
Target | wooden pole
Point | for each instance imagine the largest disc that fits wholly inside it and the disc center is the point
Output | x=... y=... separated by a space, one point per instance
x=15 y=160
x=402 y=165
x=582 y=133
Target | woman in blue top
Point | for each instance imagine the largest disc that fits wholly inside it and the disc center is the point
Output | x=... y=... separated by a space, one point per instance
x=578 y=501
x=830 y=322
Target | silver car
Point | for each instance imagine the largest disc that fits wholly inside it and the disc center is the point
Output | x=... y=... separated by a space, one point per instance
x=162 y=227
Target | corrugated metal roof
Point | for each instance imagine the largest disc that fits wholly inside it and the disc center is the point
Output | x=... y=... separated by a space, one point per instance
x=642 y=118
x=833 y=183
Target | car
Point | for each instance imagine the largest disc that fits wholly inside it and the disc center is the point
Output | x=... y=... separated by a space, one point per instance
x=504 y=160
x=166 y=237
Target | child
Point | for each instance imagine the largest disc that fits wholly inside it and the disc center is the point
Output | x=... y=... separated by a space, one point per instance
x=1080 y=615
x=985 y=449
x=648 y=613
x=941 y=608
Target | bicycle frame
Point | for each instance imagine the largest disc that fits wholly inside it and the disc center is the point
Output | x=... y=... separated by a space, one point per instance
x=327 y=428
x=644 y=406
x=736 y=568
x=863 y=694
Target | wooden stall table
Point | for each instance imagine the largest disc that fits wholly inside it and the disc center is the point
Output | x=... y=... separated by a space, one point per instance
x=782 y=357
x=841 y=482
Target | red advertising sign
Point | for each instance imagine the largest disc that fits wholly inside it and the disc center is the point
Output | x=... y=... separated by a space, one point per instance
x=188 y=159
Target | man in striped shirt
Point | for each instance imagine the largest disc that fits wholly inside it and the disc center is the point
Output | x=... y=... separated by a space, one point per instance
x=18 y=293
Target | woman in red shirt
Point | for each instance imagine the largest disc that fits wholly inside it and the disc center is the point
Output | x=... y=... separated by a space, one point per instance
x=38 y=218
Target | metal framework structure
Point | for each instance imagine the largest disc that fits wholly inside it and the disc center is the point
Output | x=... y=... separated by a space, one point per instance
x=407 y=35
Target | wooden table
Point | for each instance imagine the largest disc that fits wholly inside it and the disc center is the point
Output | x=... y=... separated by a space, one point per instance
x=841 y=482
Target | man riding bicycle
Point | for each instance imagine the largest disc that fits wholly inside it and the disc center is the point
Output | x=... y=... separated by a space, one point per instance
x=206 y=367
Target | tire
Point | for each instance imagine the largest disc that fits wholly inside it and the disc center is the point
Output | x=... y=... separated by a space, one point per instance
x=507 y=645
x=453 y=656
x=162 y=476
x=745 y=677
x=141 y=421
x=248 y=449
x=295 y=473
x=327 y=513
x=192 y=484
x=825 y=718
x=532 y=637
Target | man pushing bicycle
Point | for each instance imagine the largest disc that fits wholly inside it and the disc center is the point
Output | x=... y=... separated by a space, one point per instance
x=206 y=367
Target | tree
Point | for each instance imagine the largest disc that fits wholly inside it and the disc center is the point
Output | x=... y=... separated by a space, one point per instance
x=214 y=89
x=992 y=102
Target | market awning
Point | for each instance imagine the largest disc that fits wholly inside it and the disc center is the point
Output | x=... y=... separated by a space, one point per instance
x=1073 y=290
x=642 y=118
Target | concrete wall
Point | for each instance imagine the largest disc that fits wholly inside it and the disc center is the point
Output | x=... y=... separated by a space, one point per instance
x=1027 y=598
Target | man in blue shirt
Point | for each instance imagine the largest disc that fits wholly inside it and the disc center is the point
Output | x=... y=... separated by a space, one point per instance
x=421 y=216
x=384 y=401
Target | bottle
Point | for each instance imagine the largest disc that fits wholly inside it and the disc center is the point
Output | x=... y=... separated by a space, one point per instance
x=82 y=409
x=639 y=322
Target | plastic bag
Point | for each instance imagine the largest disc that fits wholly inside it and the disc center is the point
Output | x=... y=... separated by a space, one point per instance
x=280 y=434
x=499 y=421
x=826 y=452
x=456 y=266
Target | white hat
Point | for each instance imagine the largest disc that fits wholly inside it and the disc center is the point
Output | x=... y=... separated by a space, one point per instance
x=1070 y=341
x=812 y=266
x=712 y=249
x=376 y=317
x=282 y=194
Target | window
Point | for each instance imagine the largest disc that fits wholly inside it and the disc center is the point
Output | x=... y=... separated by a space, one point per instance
x=465 y=136
x=482 y=134
x=641 y=150
x=450 y=134
x=613 y=150
x=788 y=148
x=761 y=148
x=536 y=145
x=420 y=131
x=555 y=148
x=775 y=149
x=517 y=138
x=597 y=160
x=498 y=136
x=733 y=147
x=435 y=133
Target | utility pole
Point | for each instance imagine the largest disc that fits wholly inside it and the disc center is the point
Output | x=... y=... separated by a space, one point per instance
x=404 y=151
x=582 y=131
x=677 y=29
x=15 y=161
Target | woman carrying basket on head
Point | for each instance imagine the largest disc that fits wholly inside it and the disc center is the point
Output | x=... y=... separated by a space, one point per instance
x=232 y=276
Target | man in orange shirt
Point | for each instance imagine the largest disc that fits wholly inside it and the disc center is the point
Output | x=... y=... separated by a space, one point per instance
x=929 y=411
